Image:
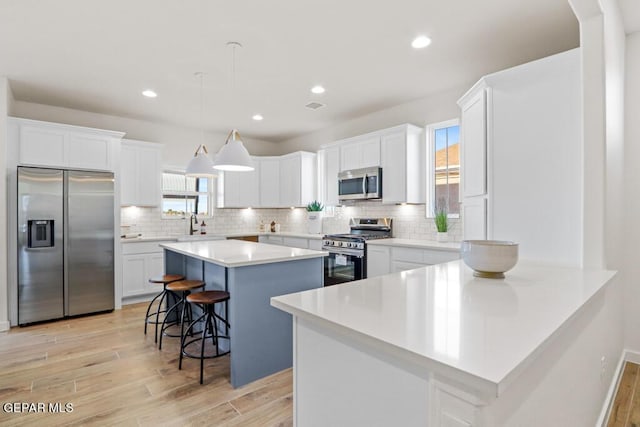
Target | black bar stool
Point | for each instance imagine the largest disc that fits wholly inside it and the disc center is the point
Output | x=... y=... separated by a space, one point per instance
x=181 y=289
x=165 y=280
x=207 y=301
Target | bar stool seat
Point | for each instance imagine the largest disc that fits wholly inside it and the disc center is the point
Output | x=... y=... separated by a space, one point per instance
x=181 y=289
x=148 y=318
x=207 y=300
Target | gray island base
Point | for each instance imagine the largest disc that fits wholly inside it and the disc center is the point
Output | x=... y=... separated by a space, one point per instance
x=261 y=340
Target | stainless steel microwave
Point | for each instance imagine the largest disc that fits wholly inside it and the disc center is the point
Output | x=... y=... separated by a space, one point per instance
x=360 y=184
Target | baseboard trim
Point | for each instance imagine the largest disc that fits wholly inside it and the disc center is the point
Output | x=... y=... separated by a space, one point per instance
x=626 y=356
x=632 y=356
x=5 y=325
x=137 y=298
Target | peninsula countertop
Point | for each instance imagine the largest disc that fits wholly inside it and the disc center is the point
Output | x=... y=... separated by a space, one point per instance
x=237 y=253
x=483 y=331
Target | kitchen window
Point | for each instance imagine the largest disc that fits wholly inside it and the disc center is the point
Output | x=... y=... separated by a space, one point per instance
x=443 y=167
x=185 y=195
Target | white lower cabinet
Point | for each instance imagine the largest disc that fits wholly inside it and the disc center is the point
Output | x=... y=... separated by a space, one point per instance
x=385 y=259
x=272 y=240
x=451 y=407
x=292 y=242
x=397 y=266
x=140 y=262
x=295 y=242
x=378 y=260
x=315 y=244
x=403 y=259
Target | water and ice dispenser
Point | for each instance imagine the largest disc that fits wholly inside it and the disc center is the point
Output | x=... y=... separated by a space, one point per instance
x=40 y=233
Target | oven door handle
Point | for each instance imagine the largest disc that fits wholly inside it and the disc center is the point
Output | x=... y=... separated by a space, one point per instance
x=364 y=184
x=346 y=253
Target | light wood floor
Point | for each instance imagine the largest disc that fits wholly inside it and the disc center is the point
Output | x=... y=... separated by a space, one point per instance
x=114 y=375
x=625 y=411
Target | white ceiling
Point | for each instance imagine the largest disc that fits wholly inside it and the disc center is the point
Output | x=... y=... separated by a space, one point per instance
x=99 y=55
x=630 y=11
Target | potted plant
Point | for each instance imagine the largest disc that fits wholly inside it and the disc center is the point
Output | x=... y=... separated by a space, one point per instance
x=441 y=218
x=314 y=216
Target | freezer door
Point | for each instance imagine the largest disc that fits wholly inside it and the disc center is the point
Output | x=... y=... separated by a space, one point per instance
x=90 y=243
x=40 y=245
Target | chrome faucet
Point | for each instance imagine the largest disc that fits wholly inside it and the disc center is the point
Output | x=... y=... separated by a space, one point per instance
x=191 y=229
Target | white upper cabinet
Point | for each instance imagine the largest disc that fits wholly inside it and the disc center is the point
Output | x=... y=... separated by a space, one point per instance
x=276 y=182
x=140 y=173
x=297 y=179
x=474 y=146
x=399 y=151
x=270 y=182
x=65 y=146
x=290 y=180
x=522 y=164
x=360 y=152
x=403 y=164
x=241 y=189
x=328 y=168
x=474 y=218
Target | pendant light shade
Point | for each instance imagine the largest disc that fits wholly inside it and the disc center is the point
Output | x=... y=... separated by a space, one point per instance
x=201 y=164
x=233 y=156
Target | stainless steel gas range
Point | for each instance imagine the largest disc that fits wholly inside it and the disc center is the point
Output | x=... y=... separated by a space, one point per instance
x=347 y=260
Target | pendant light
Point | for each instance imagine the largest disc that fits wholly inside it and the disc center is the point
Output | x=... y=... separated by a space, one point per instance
x=233 y=156
x=201 y=164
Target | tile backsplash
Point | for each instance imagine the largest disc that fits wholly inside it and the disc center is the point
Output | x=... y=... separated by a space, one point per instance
x=409 y=221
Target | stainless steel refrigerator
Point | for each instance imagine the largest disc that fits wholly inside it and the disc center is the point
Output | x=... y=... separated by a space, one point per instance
x=65 y=243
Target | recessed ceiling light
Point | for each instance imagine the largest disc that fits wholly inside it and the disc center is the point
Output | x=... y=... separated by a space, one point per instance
x=149 y=93
x=420 y=42
x=317 y=89
x=257 y=117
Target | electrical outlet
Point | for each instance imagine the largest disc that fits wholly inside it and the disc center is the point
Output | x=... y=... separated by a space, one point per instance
x=603 y=367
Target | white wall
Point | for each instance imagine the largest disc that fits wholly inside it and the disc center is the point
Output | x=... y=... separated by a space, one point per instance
x=632 y=193
x=614 y=56
x=179 y=142
x=6 y=105
x=436 y=108
x=592 y=43
x=564 y=386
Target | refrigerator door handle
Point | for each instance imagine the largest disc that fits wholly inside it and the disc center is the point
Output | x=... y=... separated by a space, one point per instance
x=65 y=241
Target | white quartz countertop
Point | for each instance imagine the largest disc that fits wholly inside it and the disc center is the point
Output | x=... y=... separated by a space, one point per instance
x=149 y=239
x=443 y=318
x=418 y=244
x=286 y=234
x=214 y=236
x=238 y=253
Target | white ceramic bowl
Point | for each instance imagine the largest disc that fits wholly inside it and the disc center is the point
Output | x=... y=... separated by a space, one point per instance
x=489 y=258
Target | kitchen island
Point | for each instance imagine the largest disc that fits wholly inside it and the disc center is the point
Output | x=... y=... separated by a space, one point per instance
x=437 y=346
x=261 y=341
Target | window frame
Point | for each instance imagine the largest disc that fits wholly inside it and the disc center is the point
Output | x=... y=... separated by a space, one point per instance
x=430 y=132
x=210 y=193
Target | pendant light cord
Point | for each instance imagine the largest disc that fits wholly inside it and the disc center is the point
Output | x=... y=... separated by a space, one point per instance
x=202 y=108
x=234 y=45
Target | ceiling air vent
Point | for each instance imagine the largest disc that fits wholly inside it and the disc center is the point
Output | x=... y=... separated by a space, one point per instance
x=314 y=105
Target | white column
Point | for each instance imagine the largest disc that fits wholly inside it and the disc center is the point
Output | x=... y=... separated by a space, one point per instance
x=5 y=102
